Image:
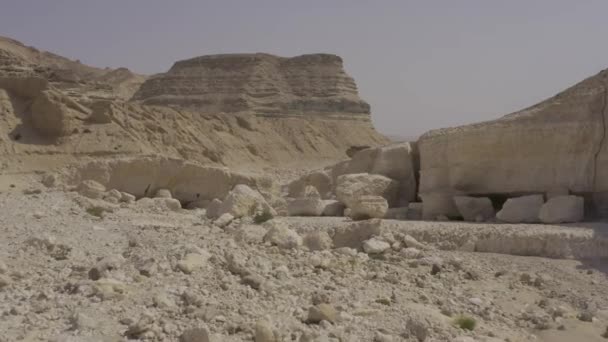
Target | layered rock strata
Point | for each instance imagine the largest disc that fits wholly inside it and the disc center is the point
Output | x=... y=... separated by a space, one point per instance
x=263 y=84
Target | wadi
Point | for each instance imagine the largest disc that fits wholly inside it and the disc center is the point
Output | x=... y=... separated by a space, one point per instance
x=248 y=197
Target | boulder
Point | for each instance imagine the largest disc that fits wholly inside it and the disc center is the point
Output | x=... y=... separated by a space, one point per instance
x=91 y=189
x=397 y=162
x=563 y=209
x=333 y=208
x=318 y=241
x=474 y=209
x=354 y=234
x=244 y=201
x=375 y=246
x=279 y=234
x=308 y=204
x=213 y=209
x=435 y=205
x=320 y=180
x=163 y=193
x=352 y=186
x=523 y=209
x=366 y=207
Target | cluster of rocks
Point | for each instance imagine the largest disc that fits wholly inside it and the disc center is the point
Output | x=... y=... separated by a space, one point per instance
x=381 y=183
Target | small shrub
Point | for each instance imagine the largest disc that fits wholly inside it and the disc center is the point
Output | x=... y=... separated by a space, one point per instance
x=261 y=217
x=96 y=211
x=465 y=322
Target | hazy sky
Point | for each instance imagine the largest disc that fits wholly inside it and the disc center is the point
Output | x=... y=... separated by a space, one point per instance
x=420 y=64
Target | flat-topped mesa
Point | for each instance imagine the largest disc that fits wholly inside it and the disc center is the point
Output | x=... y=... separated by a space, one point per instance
x=259 y=83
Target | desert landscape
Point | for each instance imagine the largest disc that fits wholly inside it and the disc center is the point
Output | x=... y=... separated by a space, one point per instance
x=248 y=197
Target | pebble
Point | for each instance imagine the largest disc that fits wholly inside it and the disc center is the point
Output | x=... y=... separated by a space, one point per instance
x=375 y=246
x=192 y=261
x=253 y=280
x=224 y=220
x=263 y=332
x=195 y=335
x=322 y=312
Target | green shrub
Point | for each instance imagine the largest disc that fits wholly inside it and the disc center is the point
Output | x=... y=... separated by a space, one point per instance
x=465 y=322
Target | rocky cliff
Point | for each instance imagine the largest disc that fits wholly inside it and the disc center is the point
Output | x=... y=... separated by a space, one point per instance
x=47 y=121
x=556 y=145
x=263 y=84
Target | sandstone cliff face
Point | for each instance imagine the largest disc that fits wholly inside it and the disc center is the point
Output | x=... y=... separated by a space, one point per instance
x=259 y=83
x=557 y=144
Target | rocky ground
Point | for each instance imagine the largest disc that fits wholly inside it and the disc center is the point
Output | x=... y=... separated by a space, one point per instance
x=75 y=269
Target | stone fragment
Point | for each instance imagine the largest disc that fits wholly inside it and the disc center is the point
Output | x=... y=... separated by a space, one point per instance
x=320 y=180
x=91 y=189
x=127 y=197
x=474 y=209
x=213 y=209
x=354 y=234
x=410 y=241
x=163 y=193
x=397 y=161
x=318 y=241
x=437 y=204
x=375 y=246
x=563 y=209
x=192 y=261
x=523 y=209
x=244 y=201
x=366 y=207
x=106 y=265
x=322 y=312
x=224 y=220
x=333 y=208
x=281 y=235
x=351 y=187
x=195 y=335
x=263 y=332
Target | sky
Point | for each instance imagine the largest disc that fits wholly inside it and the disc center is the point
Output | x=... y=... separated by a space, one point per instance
x=420 y=64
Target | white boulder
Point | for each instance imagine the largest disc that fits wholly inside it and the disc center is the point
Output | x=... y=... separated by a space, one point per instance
x=281 y=235
x=521 y=209
x=91 y=189
x=244 y=201
x=351 y=187
x=375 y=246
x=366 y=207
x=563 y=209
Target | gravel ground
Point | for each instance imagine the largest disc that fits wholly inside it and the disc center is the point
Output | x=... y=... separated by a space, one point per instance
x=144 y=272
